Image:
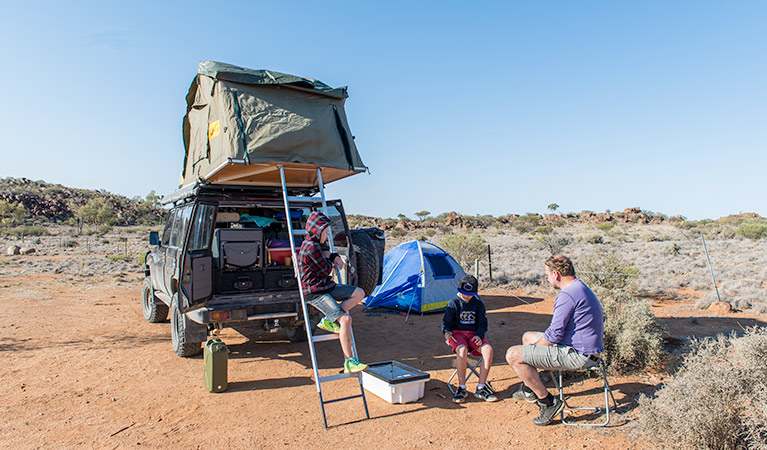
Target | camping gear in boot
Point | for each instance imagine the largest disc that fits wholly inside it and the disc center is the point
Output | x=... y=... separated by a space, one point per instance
x=216 y=356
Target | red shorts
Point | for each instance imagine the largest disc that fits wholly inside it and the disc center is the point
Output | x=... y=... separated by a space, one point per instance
x=461 y=337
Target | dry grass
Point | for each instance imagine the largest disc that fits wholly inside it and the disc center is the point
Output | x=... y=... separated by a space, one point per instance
x=718 y=399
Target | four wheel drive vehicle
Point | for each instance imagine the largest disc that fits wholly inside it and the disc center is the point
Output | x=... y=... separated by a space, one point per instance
x=224 y=260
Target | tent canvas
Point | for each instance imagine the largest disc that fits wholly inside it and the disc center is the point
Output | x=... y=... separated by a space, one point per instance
x=417 y=276
x=242 y=123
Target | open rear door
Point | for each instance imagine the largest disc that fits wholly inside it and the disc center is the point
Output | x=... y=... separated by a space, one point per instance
x=197 y=266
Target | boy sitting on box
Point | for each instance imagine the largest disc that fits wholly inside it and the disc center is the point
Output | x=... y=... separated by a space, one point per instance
x=465 y=325
x=325 y=294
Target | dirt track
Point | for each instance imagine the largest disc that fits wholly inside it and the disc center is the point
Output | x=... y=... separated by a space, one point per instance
x=82 y=368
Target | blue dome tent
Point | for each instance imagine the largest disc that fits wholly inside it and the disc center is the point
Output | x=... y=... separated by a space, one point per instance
x=417 y=276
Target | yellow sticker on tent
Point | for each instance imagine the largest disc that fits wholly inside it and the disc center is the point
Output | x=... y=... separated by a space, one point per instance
x=213 y=129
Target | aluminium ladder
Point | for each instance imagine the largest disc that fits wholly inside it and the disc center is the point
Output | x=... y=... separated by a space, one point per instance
x=322 y=337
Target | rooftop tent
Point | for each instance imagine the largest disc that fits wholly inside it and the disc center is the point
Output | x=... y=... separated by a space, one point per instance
x=417 y=276
x=241 y=123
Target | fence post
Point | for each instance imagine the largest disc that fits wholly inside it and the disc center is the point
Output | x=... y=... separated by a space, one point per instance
x=708 y=258
x=489 y=263
x=476 y=268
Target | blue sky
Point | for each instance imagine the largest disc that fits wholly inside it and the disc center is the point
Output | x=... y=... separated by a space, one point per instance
x=481 y=108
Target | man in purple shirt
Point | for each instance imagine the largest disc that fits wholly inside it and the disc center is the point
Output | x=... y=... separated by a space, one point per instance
x=573 y=341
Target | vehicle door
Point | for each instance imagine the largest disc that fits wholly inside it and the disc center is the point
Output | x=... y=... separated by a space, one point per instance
x=173 y=251
x=340 y=232
x=196 y=279
x=157 y=256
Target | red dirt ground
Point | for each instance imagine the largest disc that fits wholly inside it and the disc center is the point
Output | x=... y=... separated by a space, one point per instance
x=81 y=368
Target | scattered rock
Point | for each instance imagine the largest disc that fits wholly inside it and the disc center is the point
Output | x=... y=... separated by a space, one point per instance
x=13 y=250
x=27 y=250
x=720 y=308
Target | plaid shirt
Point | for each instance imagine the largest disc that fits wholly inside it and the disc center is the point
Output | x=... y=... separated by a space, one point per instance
x=315 y=269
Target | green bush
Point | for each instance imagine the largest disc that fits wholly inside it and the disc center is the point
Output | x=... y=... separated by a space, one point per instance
x=28 y=230
x=717 y=400
x=595 y=239
x=752 y=230
x=398 y=233
x=431 y=232
x=104 y=229
x=605 y=226
x=609 y=271
x=632 y=334
x=465 y=248
x=543 y=230
x=123 y=258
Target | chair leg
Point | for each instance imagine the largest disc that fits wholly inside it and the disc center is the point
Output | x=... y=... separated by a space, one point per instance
x=472 y=369
x=608 y=395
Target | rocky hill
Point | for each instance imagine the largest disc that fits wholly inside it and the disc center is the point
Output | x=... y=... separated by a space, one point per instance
x=56 y=203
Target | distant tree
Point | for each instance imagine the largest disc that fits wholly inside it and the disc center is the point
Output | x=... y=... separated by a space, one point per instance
x=97 y=211
x=153 y=199
x=422 y=214
x=401 y=216
x=552 y=207
x=12 y=213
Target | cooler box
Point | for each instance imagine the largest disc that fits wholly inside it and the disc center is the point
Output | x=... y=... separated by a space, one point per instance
x=394 y=381
x=280 y=255
x=215 y=356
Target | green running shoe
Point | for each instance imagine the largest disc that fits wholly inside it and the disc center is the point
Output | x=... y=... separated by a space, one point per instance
x=351 y=365
x=327 y=325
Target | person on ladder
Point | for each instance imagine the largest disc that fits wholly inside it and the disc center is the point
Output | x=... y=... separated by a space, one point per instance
x=331 y=299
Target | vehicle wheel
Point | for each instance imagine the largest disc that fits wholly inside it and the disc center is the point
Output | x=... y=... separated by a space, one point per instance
x=178 y=324
x=154 y=312
x=368 y=264
x=296 y=334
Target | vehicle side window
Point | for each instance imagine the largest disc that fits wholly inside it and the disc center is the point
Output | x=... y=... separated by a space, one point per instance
x=180 y=227
x=168 y=228
x=340 y=241
x=202 y=227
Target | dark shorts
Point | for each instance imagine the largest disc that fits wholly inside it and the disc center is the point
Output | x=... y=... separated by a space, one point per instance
x=328 y=303
x=555 y=357
x=463 y=337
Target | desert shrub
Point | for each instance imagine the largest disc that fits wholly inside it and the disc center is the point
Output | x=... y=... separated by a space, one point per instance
x=717 y=400
x=69 y=243
x=752 y=230
x=121 y=258
x=422 y=237
x=543 y=230
x=607 y=270
x=673 y=249
x=398 y=233
x=551 y=241
x=28 y=230
x=558 y=222
x=605 y=226
x=595 y=239
x=632 y=334
x=431 y=232
x=465 y=248
x=656 y=238
x=104 y=229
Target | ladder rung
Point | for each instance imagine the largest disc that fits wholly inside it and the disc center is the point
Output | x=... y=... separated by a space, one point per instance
x=299 y=232
x=338 y=376
x=342 y=399
x=304 y=199
x=325 y=337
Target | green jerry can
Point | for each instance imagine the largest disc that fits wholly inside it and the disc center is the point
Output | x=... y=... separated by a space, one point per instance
x=216 y=356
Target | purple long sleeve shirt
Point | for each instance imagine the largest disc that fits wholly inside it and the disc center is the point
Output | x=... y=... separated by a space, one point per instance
x=577 y=320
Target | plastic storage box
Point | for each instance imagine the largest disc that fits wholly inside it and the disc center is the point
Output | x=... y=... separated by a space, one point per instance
x=394 y=382
x=280 y=255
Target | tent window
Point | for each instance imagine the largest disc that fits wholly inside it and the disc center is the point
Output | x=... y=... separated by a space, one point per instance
x=440 y=266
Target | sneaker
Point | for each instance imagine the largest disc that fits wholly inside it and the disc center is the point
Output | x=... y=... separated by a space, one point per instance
x=521 y=394
x=351 y=365
x=485 y=394
x=549 y=412
x=460 y=395
x=327 y=325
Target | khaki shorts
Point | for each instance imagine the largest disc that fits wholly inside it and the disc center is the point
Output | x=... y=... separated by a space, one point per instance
x=555 y=357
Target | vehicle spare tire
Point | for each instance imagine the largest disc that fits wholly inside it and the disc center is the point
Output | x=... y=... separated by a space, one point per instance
x=368 y=264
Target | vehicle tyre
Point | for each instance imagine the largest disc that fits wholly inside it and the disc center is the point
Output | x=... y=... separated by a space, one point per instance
x=368 y=264
x=154 y=310
x=178 y=324
x=295 y=334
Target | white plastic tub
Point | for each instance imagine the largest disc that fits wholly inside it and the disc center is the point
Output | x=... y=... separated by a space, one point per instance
x=394 y=382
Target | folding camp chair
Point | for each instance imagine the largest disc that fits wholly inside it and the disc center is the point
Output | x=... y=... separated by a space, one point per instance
x=472 y=370
x=602 y=369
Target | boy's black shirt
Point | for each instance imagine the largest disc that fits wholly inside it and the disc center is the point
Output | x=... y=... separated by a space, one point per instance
x=466 y=316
